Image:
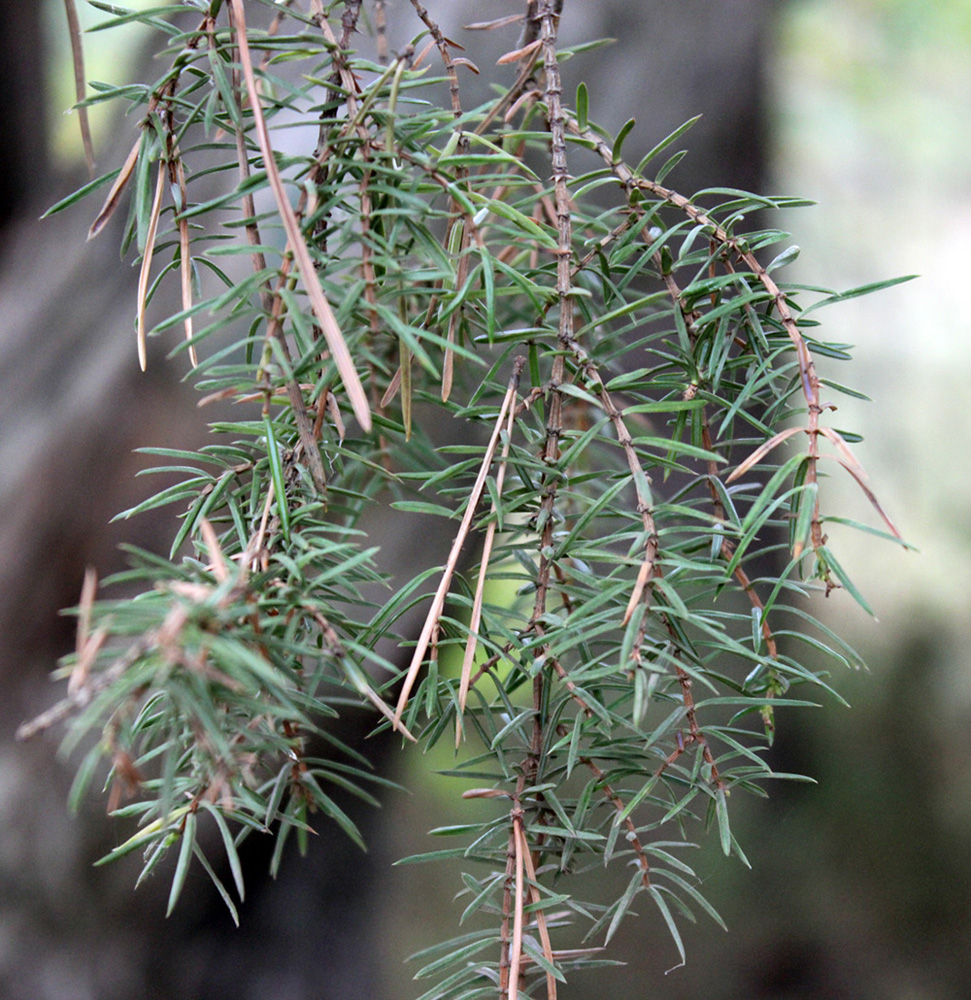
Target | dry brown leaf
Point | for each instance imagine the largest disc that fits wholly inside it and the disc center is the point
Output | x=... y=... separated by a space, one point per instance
x=424 y=52
x=114 y=194
x=145 y=271
x=335 y=414
x=85 y=604
x=525 y=52
x=485 y=793
x=217 y=561
x=844 y=449
x=871 y=496
x=392 y=389
x=762 y=451
x=499 y=22
x=86 y=645
x=643 y=575
x=527 y=95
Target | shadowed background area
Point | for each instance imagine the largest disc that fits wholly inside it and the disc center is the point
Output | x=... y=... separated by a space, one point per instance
x=862 y=883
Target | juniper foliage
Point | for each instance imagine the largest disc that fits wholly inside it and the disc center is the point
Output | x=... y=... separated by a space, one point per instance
x=483 y=318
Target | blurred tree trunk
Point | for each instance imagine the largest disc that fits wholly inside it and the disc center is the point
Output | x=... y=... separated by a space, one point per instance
x=670 y=62
x=73 y=406
x=23 y=166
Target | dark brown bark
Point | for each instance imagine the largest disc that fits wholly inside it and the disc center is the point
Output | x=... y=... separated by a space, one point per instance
x=23 y=133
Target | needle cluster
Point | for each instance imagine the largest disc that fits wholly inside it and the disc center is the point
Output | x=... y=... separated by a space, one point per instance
x=485 y=318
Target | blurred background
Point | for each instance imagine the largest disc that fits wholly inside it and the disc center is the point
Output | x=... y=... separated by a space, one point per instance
x=861 y=884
